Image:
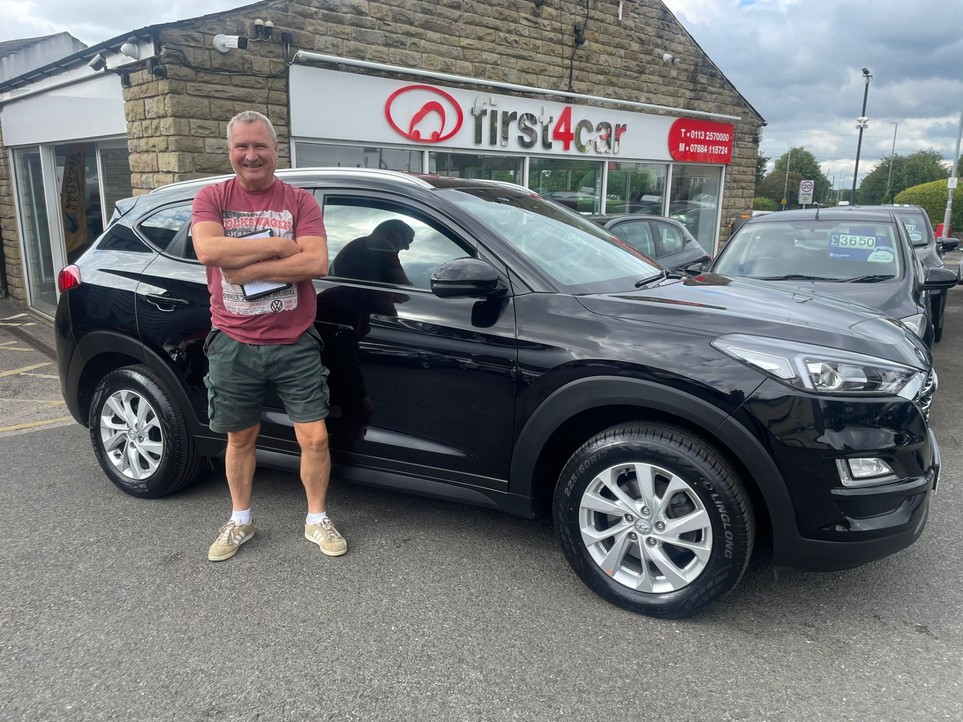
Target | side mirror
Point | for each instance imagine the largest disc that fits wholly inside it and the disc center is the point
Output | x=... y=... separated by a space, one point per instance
x=940 y=278
x=696 y=268
x=950 y=244
x=466 y=278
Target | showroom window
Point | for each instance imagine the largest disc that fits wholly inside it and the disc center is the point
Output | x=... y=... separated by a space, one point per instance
x=486 y=167
x=635 y=188
x=694 y=200
x=571 y=182
x=63 y=193
x=316 y=155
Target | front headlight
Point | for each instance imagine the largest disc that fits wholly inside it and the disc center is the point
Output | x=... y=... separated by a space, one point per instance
x=822 y=370
x=916 y=323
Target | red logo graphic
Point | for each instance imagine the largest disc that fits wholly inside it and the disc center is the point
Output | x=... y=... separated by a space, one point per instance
x=423 y=114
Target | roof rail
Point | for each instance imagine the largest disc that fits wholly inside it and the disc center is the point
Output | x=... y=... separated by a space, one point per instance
x=321 y=171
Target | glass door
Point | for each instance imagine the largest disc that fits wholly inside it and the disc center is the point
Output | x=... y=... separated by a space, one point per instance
x=40 y=265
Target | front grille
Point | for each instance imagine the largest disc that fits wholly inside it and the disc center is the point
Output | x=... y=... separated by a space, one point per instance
x=925 y=397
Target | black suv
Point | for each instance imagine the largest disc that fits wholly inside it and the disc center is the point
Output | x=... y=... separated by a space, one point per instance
x=532 y=361
x=928 y=248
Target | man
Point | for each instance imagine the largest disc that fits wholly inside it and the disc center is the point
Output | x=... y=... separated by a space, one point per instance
x=255 y=231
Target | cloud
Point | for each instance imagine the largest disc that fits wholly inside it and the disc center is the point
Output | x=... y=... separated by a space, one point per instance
x=798 y=62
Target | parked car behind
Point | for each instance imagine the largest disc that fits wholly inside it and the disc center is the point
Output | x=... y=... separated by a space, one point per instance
x=533 y=362
x=863 y=256
x=663 y=239
x=928 y=248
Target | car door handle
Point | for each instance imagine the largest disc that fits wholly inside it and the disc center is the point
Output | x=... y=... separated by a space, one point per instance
x=166 y=303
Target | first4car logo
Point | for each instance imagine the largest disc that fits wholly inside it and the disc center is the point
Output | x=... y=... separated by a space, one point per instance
x=425 y=114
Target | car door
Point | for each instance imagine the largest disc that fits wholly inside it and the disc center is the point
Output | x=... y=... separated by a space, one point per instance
x=422 y=387
x=172 y=301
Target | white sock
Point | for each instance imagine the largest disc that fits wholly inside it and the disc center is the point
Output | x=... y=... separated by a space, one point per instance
x=241 y=517
x=315 y=518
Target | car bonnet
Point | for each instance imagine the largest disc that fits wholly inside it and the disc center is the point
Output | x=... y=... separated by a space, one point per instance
x=713 y=305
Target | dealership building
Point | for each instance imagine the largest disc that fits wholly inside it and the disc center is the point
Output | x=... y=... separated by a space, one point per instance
x=607 y=106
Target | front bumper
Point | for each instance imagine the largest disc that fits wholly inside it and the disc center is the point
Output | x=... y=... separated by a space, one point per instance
x=835 y=526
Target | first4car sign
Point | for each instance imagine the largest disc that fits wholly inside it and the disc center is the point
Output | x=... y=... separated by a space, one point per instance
x=383 y=110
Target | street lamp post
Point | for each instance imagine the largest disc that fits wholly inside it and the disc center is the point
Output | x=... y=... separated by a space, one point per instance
x=861 y=122
x=889 y=175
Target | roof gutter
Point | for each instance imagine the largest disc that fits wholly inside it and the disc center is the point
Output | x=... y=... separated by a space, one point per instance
x=303 y=55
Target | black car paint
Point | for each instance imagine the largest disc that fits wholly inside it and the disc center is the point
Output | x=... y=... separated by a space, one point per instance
x=483 y=399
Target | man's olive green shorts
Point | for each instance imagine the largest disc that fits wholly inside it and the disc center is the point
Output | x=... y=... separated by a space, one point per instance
x=240 y=375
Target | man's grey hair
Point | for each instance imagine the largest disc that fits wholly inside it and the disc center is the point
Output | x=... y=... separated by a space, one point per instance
x=251 y=116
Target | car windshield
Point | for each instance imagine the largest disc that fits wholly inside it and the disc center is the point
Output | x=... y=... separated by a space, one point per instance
x=854 y=251
x=578 y=255
x=916 y=226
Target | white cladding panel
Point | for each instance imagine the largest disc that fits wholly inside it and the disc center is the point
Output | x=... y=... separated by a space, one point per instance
x=80 y=111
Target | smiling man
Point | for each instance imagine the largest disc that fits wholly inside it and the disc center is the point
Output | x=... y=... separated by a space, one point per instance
x=262 y=241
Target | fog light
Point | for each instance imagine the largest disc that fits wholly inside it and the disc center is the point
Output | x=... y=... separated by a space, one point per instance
x=865 y=472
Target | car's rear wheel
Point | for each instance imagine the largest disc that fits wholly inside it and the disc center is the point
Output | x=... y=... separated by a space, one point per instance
x=139 y=434
x=653 y=520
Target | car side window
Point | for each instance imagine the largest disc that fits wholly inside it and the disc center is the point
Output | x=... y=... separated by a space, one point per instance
x=381 y=242
x=162 y=226
x=637 y=235
x=670 y=238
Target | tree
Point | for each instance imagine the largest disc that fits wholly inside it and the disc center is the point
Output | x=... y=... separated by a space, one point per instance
x=761 y=162
x=921 y=167
x=802 y=165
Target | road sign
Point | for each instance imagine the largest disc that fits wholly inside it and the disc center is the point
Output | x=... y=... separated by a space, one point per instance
x=806 y=192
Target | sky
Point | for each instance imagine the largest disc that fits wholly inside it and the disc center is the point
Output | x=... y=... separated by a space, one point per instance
x=797 y=62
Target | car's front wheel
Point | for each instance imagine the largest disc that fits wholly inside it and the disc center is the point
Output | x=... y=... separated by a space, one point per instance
x=139 y=435
x=653 y=520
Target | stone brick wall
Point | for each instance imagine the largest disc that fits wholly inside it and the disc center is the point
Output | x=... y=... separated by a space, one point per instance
x=12 y=281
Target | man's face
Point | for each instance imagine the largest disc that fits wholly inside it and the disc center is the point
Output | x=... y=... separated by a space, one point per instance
x=254 y=156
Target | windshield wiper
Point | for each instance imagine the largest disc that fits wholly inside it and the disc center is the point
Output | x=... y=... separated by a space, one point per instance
x=870 y=279
x=662 y=275
x=792 y=277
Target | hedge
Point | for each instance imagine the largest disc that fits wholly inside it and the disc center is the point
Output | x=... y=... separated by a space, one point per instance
x=932 y=197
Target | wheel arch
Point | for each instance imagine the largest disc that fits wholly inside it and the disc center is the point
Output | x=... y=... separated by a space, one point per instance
x=579 y=410
x=104 y=351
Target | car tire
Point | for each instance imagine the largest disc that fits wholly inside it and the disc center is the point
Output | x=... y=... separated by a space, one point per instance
x=139 y=435
x=666 y=547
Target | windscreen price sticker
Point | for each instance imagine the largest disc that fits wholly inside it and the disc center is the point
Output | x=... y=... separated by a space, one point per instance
x=845 y=240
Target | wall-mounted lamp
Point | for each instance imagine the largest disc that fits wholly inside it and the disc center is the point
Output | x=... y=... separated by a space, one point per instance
x=539 y=3
x=223 y=43
x=670 y=59
x=263 y=30
x=97 y=63
x=130 y=48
